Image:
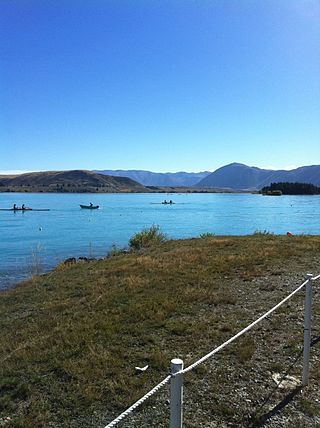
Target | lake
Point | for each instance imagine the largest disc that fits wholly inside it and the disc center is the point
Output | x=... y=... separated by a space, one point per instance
x=46 y=238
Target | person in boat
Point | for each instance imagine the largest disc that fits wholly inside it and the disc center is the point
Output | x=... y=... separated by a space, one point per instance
x=23 y=207
x=170 y=202
x=91 y=204
x=165 y=201
x=15 y=206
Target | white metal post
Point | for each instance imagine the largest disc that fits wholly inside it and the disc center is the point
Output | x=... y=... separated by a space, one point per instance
x=176 y=394
x=307 y=330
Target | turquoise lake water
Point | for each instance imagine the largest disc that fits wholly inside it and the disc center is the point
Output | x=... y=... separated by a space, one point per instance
x=68 y=231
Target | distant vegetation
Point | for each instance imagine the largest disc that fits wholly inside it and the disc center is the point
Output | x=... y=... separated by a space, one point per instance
x=291 y=189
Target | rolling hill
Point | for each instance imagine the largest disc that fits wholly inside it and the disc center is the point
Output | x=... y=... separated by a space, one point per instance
x=68 y=181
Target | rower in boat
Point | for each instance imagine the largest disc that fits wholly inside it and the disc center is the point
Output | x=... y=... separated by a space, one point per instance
x=89 y=207
x=23 y=208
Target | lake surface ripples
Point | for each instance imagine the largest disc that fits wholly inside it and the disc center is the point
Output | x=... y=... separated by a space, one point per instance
x=46 y=238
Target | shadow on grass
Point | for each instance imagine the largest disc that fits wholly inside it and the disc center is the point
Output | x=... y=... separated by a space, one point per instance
x=259 y=421
x=315 y=341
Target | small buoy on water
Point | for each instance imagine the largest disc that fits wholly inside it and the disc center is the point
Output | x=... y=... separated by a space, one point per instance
x=289 y=234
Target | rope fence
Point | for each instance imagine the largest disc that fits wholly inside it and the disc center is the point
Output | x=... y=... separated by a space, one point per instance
x=177 y=371
x=249 y=327
x=139 y=402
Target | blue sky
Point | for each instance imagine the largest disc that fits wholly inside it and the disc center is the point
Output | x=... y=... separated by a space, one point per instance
x=159 y=85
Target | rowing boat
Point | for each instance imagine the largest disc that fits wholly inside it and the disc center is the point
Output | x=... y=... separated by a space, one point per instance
x=23 y=209
x=89 y=207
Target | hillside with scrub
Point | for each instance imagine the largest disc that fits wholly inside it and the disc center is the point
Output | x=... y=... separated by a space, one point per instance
x=73 y=181
x=71 y=339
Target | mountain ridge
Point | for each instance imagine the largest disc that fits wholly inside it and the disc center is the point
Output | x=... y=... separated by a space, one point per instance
x=239 y=176
x=232 y=177
x=149 y=178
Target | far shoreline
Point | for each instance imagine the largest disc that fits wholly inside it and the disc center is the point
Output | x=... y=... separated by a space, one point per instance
x=148 y=189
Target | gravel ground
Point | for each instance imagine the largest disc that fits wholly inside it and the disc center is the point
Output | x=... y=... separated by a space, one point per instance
x=247 y=395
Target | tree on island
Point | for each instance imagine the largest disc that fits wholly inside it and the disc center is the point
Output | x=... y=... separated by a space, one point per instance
x=291 y=189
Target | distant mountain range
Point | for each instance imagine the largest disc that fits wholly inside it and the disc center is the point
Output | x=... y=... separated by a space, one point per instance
x=68 y=181
x=235 y=176
x=239 y=176
x=148 y=178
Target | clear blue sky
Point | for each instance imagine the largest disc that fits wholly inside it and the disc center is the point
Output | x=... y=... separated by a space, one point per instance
x=159 y=85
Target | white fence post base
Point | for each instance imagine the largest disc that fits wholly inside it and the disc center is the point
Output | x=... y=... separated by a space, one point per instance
x=176 y=394
x=307 y=331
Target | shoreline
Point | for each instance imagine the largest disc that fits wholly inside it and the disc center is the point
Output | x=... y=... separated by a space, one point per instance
x=114 y=249
x=146 y=190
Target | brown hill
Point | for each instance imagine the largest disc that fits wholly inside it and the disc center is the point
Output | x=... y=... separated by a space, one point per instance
x=68 y=181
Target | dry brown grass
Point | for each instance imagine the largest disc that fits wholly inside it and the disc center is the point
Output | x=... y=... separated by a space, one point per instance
x=71 y=339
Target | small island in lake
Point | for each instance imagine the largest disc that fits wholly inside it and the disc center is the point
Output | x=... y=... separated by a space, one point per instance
x=278 y=189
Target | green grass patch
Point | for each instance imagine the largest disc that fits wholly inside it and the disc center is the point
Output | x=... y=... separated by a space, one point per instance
x=146 y=238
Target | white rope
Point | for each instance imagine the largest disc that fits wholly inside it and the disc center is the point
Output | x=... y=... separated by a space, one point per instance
x=137 y=403
x=204 y=358
x=210 y=354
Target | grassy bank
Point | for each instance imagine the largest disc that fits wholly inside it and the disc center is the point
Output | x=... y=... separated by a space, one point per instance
x=70 y=340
